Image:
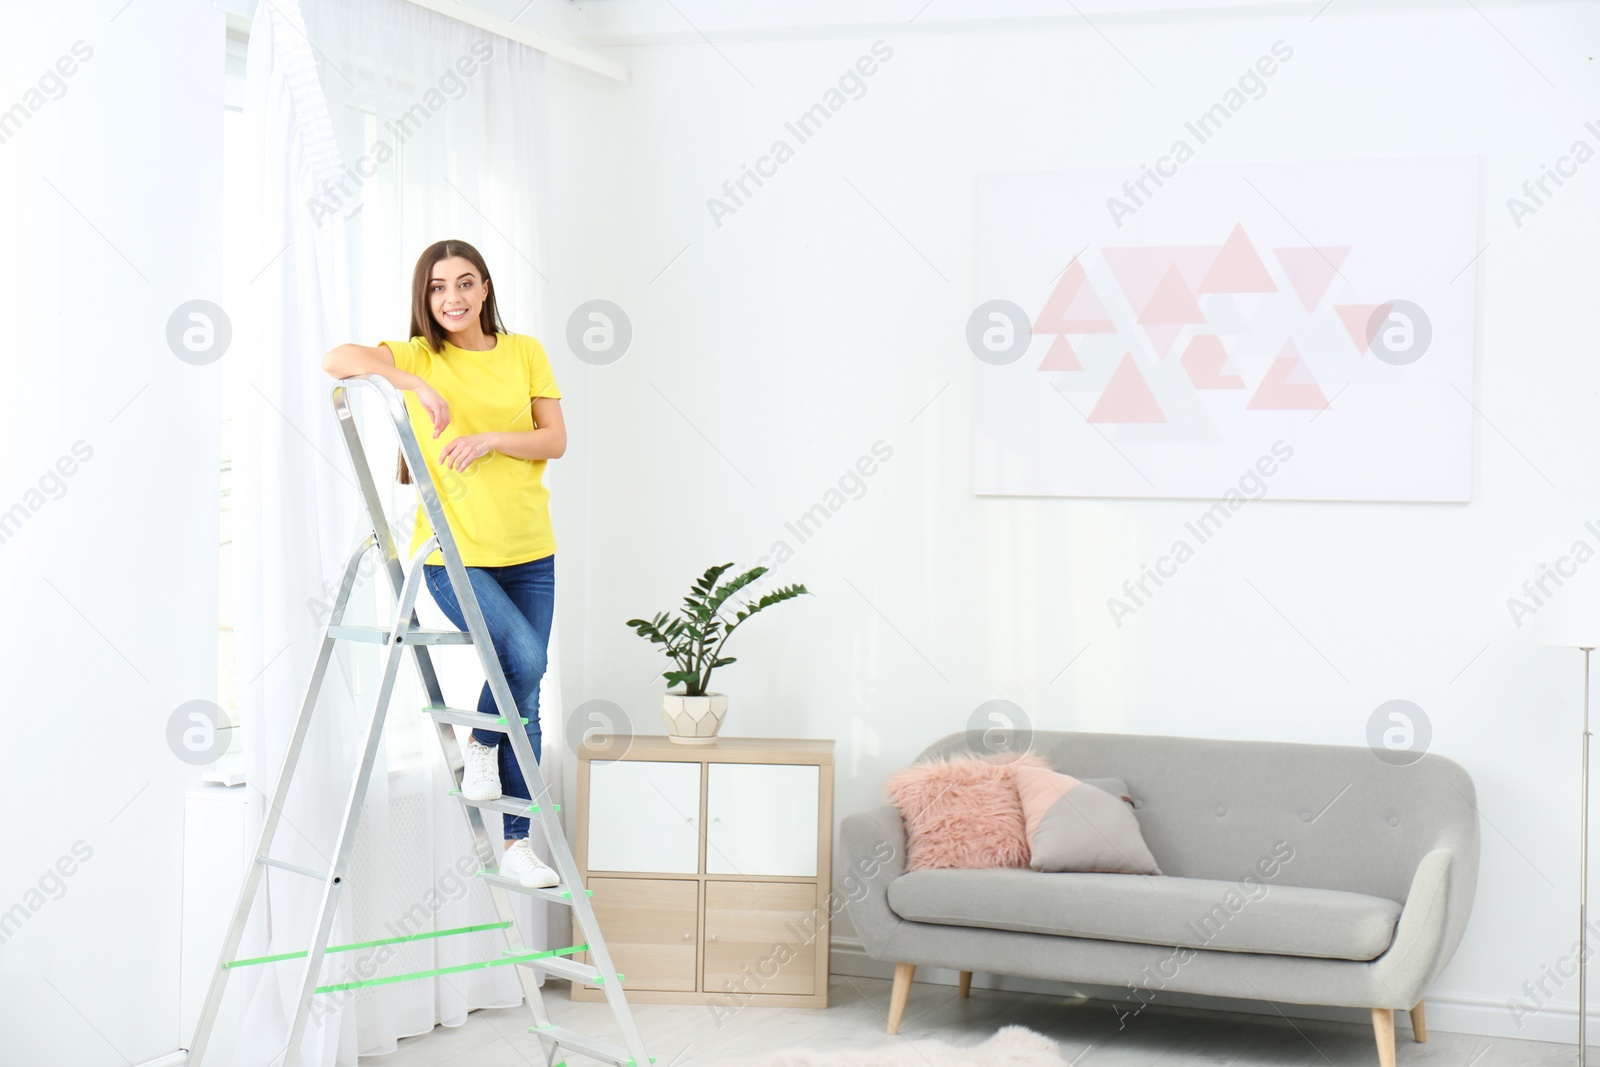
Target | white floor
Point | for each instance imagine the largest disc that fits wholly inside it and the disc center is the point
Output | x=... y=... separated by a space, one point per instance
x=1088 y=1031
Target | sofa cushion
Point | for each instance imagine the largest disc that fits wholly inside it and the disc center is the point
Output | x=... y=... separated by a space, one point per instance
x=1198 y=913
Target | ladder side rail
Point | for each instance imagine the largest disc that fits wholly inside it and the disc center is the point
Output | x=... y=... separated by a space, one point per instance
x=394 y=406
x=450 y=750
x=477 y=826
x=466 y=597
x=352 y=817
x=555 y=835
x=583 y=911
x=269 y=823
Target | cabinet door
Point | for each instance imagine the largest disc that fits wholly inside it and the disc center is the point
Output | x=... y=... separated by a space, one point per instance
x=761 y=937
x=761 y=819
x=644 y=816
x=649 y=926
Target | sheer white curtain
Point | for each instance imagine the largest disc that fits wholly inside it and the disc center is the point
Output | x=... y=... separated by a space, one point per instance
x=375 y=128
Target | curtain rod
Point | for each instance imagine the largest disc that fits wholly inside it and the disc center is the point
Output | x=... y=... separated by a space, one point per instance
x=550 y=46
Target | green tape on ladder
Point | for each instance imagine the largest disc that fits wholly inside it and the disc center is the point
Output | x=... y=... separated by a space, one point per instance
x=575 y=948
x=437 y=971
x=567 y=893
x=500 y=720
x=353 y=946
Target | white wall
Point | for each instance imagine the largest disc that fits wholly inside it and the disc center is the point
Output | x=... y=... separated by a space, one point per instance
x=828 y=314
x=112 y=193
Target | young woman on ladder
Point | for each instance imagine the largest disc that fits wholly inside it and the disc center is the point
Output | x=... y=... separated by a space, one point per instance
x=488 y=417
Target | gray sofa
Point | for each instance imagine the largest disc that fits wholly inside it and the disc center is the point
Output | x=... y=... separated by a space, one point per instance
x=1308 y=874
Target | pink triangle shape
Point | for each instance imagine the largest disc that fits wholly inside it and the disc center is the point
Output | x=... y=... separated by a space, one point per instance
x=1311 y=270
x=1127 y=397
x=1074 y=307
x=1356 y=318
x=1061 y=356
x=1172 y=302
x=1203 y=361
x=1288 y=385
x=1237 y=268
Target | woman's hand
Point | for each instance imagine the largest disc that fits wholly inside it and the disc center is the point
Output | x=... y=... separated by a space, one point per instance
x=466 y=450
x=435 y=405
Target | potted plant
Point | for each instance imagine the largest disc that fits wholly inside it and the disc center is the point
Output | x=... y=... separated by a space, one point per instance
x=693 y=641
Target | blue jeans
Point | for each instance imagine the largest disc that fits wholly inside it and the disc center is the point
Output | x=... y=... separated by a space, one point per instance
x=517 y=603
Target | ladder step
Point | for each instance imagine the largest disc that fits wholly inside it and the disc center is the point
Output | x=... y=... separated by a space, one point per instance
x=555 y=894
x=507 y=805
x=575 y=972
x=379 y=635
x=578 y=1041
x=321 y=876
x=476 y=720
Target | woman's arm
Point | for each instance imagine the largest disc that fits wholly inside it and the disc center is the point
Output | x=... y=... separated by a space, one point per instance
x=348 y=361
x=548 y=440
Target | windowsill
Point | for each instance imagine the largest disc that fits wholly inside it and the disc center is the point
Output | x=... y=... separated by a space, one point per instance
x=228 y=770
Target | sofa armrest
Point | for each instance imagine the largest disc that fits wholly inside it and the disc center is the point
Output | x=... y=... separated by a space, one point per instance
x=872 y=851
x=1431 y=923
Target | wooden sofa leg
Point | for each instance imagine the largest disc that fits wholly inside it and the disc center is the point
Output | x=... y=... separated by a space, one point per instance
x=966 y=983
x=1419 y=1022
x=1383 y=1030
x=898 y=995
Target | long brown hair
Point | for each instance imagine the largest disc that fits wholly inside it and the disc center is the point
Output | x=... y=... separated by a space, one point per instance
x=424 y=325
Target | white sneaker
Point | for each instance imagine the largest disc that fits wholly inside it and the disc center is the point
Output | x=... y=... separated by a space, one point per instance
x=519 y=862
x=480 y=778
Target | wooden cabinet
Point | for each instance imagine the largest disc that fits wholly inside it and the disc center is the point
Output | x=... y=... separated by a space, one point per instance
x=761 y=938
x=652 y=928
x=710 y=867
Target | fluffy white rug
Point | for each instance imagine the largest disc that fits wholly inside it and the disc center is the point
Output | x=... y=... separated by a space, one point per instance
x=1013 y=1046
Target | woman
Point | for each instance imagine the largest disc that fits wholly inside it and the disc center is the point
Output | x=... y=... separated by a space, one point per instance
x=488 y=416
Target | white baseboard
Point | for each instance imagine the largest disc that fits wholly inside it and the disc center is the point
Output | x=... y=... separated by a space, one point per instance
x=1447 y=1012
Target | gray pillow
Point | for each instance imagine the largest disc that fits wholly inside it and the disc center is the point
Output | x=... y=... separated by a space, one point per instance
x=1082 y=825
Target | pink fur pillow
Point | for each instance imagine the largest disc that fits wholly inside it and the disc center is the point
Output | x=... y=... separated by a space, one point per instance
x=963 y=812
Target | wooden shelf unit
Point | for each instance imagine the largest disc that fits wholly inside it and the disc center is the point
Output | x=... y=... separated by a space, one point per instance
x=711 y=867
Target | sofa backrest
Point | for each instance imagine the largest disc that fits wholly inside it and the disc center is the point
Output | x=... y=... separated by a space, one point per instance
x=1227 y=809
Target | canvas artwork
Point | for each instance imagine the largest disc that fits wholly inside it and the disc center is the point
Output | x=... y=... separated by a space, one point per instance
x=1141 y=335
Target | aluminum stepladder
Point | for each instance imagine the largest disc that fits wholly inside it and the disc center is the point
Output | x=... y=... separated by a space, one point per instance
x=406 y=634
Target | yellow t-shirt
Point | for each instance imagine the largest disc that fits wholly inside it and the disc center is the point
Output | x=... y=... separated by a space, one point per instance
x=498 y=507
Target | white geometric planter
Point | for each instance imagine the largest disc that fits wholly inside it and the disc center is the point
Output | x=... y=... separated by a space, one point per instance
x=693 y=720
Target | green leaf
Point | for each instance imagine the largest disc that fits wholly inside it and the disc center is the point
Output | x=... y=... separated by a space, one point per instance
x=709 y=579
